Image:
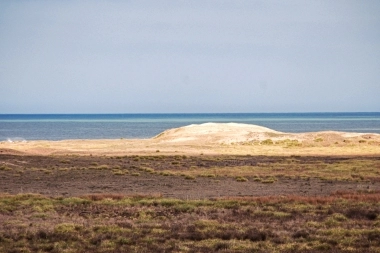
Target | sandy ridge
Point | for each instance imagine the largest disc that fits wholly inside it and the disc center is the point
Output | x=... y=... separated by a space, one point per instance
x=228 y=133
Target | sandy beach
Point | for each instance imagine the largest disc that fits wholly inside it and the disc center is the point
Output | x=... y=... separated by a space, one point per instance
x=211 y=139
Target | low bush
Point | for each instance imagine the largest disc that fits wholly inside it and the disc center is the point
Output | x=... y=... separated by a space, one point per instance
x=241 y=179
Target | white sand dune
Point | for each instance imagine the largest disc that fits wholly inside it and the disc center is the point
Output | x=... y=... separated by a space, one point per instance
x=228 y=133
x=215 y=132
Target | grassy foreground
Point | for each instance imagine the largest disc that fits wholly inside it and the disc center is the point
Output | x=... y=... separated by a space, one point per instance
x=343 y=222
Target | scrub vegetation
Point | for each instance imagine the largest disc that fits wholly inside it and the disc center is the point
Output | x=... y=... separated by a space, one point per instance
x=349 y=168
x=342 y=222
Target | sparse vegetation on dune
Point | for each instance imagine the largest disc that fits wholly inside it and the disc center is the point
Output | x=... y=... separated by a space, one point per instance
x=342 y=222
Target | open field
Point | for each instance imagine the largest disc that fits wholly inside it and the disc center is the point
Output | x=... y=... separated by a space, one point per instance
x=188 y=177
x=184 y=192
x=189 y=203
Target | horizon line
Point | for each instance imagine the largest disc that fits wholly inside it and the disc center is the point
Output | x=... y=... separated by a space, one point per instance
x=165 y=113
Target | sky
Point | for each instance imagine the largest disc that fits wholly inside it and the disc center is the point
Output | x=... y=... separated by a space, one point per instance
x=195 y=56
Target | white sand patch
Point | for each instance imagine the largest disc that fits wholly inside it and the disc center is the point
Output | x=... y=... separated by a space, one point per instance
x=216 y=132
x=228 y=133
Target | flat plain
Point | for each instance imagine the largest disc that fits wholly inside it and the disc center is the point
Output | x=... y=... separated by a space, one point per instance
x=208 y=191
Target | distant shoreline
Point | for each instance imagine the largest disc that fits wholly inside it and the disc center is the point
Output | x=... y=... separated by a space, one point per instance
x=210 y=139
x=144 y=126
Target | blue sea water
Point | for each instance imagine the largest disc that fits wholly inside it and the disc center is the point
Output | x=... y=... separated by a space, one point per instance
x=115 y=126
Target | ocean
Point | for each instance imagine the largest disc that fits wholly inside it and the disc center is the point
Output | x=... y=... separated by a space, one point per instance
x=19 y=127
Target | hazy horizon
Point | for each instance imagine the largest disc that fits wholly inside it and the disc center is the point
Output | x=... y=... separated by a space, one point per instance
x=120 y=113
x=90 y=57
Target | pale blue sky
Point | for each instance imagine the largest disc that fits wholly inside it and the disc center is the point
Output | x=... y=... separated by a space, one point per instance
x=189 y=56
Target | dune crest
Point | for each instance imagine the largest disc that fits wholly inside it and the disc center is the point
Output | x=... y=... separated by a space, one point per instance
x=216 y=132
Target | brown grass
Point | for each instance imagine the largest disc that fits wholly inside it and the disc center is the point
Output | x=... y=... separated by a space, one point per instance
x=342 y=222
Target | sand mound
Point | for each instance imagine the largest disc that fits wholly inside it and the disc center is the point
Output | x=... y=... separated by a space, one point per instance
x=217 y=133
x=228 y=133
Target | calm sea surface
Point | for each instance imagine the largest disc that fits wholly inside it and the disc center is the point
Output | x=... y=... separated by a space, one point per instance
x=114 y=126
